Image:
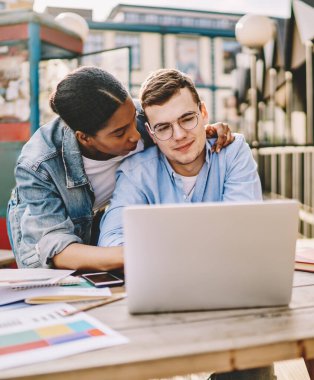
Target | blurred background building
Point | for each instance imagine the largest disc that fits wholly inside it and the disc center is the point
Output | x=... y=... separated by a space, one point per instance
x=16 y=4
x=199 y=43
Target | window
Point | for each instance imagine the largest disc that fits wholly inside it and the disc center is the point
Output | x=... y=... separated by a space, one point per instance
x=230 y=50
x=133 y=40
x=151 y=19
x=132 y=17
x=188 y=57
x=94 y=42
x=169 y=20
x=187 y=21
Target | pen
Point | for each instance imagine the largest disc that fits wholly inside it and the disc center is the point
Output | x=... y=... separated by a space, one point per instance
x=113 y=298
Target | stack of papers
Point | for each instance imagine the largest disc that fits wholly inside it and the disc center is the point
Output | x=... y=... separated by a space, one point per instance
x=304 y=257
x=44 y=286
x=53 y=294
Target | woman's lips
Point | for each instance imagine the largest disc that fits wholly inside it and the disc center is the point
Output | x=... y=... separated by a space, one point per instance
x=128 y=150
x=132 y=148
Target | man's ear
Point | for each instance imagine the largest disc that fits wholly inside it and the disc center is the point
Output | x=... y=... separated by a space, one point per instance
x=82 y=138
x=150 y=133
x=204 y=112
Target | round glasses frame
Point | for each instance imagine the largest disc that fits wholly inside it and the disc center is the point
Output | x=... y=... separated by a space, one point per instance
x=195 y=114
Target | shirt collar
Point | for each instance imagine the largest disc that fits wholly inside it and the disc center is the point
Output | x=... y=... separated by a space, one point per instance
x=208 y=145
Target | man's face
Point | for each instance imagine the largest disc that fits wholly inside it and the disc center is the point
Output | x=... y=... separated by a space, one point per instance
x=119 y=136
x=185 y=150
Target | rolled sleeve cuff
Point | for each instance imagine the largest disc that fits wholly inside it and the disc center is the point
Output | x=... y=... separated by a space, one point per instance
x=52 y=244
x=111 y=240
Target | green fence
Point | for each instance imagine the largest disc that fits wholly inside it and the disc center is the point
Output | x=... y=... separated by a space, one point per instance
x=9 y=152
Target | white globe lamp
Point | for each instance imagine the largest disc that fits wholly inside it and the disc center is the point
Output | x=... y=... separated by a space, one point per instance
x=254 y=31
x=73 y=22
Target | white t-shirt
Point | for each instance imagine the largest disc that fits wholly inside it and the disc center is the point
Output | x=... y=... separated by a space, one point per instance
x=101 y=175
x=188 y=185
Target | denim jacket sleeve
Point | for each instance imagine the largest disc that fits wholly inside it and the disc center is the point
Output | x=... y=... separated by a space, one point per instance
x=39 y=225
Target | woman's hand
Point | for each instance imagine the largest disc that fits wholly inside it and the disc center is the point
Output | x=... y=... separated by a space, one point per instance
x=223 y=134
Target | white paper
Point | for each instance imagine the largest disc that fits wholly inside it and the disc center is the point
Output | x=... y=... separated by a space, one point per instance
x=69 y=280
x=302 y=279
x=13 y=306
x=40 y=321
x=11 y=295
x=305 y=254
x=36 y=274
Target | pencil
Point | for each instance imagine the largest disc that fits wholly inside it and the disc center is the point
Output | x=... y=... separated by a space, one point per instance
x=113 y=298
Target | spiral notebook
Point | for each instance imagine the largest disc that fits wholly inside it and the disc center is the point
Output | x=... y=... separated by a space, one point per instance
x=70 y=280
x=35 y=277
x=53 y=294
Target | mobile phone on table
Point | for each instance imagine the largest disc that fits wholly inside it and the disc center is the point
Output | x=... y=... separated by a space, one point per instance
x=102 y=279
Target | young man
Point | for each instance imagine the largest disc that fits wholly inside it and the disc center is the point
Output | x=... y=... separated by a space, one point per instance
x=65 y=174
x=181 y=167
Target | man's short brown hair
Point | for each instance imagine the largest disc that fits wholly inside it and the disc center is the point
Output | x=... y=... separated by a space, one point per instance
x=162 y=84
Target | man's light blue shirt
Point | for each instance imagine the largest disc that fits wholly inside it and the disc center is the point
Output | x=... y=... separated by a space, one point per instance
x=148 y=178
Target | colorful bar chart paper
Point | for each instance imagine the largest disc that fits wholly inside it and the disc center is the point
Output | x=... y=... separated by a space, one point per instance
x=44 y=333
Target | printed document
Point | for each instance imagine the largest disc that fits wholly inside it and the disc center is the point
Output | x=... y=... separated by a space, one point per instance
x=44 y=333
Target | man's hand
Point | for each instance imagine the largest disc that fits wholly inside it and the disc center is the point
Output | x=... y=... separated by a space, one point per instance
x=223 y=134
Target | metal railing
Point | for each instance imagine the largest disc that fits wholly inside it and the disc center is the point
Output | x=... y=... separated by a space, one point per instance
x=287 y=172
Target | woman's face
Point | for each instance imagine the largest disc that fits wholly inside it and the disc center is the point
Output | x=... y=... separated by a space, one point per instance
x=118 y=138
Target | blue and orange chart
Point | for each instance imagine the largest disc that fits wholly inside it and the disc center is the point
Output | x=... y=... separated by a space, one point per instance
x=44 y=333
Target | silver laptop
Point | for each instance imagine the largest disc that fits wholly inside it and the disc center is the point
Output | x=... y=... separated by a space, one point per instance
x=209 y=255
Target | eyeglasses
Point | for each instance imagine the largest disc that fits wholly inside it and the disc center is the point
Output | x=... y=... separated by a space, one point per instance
x=164 y=131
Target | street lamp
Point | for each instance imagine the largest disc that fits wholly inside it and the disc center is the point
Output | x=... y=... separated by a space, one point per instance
x=253 y=32
x=75 y=23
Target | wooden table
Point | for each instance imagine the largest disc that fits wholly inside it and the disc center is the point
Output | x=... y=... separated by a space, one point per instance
x=6 y=257
x=179 y=343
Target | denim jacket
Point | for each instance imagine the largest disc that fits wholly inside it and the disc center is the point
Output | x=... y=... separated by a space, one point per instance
x=51 y=205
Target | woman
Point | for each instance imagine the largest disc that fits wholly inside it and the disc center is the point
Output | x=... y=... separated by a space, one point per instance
x=65 y=174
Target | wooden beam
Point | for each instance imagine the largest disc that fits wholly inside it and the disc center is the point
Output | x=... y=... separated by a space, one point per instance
x=59 y=38
x=13 y=32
